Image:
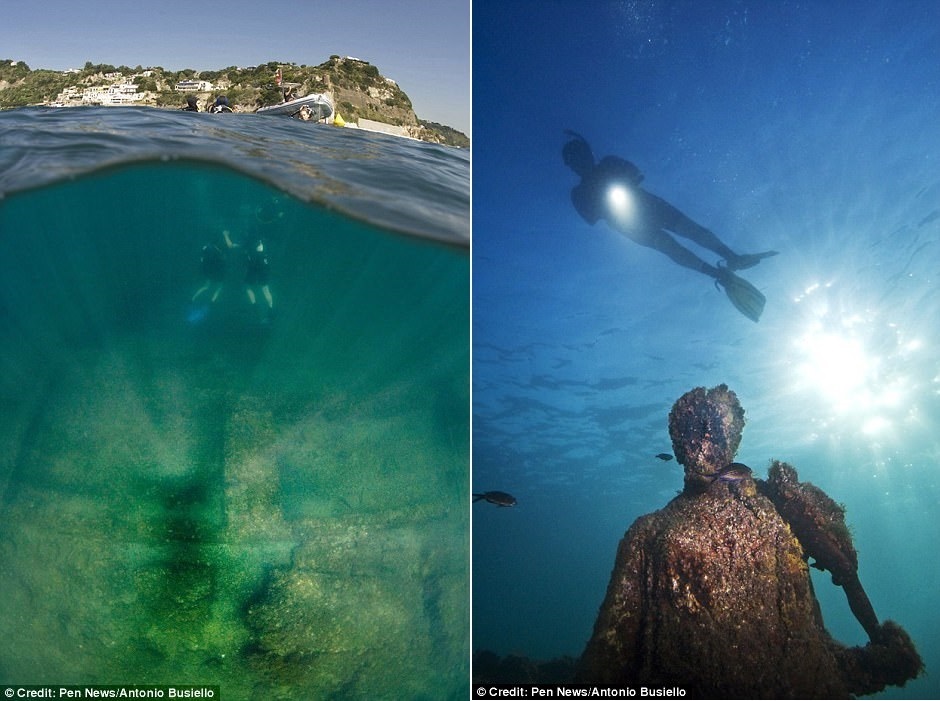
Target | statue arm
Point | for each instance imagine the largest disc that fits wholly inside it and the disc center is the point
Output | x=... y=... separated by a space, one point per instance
x=819 y=524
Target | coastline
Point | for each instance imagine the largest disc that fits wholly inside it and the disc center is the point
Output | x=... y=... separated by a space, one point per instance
x=362 y=124
x=360 y=95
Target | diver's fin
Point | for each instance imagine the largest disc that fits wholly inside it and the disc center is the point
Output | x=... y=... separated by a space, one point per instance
x=477 y=497
x=197 y=313
x=746 y=298
x=748 y=260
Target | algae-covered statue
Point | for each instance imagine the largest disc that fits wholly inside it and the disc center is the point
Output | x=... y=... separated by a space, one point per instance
x=712 y=593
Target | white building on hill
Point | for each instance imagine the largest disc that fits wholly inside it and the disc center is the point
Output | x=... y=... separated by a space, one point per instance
x=194 y=86
x=116 y=94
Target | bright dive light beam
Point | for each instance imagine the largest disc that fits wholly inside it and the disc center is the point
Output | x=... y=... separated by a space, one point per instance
x=620 y=201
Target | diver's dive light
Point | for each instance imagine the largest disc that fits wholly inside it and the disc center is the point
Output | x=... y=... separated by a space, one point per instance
x=620 y=202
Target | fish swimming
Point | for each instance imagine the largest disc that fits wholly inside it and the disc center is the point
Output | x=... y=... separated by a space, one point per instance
x=665 y=457
x=734 y=472
x=498 y=498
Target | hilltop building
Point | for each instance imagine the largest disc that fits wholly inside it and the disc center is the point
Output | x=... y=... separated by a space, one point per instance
x=115 y=94
x=194 y=86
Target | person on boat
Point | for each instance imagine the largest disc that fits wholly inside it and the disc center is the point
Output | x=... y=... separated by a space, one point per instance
x=610 y=190
x=289 y=93
x=191 y=105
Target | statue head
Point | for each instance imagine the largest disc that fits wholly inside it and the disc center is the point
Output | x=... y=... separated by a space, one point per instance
x=705 y=427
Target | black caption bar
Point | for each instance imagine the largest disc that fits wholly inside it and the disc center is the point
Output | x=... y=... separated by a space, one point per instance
x=96 y=691
x=568 y=691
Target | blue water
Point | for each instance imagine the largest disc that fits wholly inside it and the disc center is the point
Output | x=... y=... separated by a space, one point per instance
x=273 y=501
x=402 y=184
x=809 y=128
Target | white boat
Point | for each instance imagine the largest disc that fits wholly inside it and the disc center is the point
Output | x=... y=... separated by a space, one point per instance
x=319 y=103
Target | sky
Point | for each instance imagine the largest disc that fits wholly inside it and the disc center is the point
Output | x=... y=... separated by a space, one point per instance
x=424 y=45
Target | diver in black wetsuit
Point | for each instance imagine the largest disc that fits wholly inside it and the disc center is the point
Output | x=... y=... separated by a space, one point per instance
x=192 y=104
x=610 y=190
x=256 y=273
x=212 y=265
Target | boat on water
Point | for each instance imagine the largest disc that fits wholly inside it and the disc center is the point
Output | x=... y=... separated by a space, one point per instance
x=319 y=104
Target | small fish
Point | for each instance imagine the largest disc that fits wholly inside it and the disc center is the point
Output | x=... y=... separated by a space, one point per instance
x=735 y=472
x=665 y=457
x=498 y=498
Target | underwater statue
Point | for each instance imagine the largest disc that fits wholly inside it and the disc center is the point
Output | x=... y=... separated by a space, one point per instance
x=712 y=593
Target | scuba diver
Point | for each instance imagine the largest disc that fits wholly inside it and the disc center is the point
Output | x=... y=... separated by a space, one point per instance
x=610 y=189
x=256 y=275
x=212 y=266
x=191 y=104
x=221 y=105
x=257 y=272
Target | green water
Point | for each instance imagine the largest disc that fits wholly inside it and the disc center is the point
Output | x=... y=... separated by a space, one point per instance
x=279 y=509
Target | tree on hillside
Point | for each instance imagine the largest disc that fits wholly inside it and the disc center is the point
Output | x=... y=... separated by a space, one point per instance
x=145 y=84
x=93 y=68
x=11 y=70
x=270 y=94
x=40 y=86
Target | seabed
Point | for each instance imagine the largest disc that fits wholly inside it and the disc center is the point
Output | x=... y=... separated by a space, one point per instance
x=166 y=524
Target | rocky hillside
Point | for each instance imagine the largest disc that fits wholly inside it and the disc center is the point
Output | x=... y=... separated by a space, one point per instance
x=357 y=88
